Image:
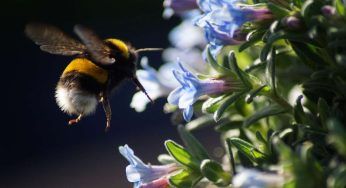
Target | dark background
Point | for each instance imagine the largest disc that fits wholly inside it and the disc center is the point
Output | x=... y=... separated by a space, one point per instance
x=37 y=147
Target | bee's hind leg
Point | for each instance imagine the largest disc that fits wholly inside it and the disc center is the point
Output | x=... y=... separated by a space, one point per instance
x=74 y=121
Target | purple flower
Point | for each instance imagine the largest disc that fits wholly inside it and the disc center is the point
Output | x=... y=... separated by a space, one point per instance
x=178 y=7
x=143 y=175
x=328 y=11
x=191 y=88
x=292 y=22
x=222 y=21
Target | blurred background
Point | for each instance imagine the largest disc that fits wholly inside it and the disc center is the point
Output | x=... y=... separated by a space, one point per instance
x=37 y=147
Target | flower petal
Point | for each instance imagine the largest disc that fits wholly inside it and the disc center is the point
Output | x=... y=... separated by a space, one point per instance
x=132 y=174
x=188 y=112
x=173 y=97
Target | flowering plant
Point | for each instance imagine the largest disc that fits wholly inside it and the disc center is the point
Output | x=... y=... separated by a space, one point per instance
x=269 y=77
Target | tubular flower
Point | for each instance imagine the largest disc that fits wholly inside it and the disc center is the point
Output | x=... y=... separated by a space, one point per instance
x=191 y=88
x=256 y=179
x=143 y=175
x=157 y=83
x=222 y=20
x=178 y=7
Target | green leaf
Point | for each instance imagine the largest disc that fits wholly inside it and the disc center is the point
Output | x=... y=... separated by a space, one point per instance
x=264 y=112
x=307 y=54
x=212 y=62
x=234 y=66
x=226 y=126
x=254 y=92
x=299 y=115
x=252 y=38
x=270 y=72
x=248 y=150
x=192 y=144
x=200 y=122
x=181 y=155
x=298 y=3
x=165 y=159
x=231 y=156
x=323 y=112
x=291 y=36
x=214 y=173
x=211 y=105
x=225 y=104
x=340 y=7
x=337 y=136
x=278 y=11
x=185 y=179
x=260 y=137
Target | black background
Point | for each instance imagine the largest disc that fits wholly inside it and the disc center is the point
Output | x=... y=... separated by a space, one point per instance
x=37 y=147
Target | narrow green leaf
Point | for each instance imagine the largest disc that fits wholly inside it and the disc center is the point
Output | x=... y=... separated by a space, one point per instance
x=214 y=173
x=264 y=112
x=254 y=92
x=200 y=122
x=234 y=66
x=185 y=179
x=229 y=125
x=260 y=137
x=192 y=144
x=248 y=150
x=270 y=72
x=337 y=136
x=323 y=112
x=252 y=39
x=181 y=155
x=278 y=11
x=231 y=156
x=340 y=7
x=216 y=66
x=211 y=105
x=225 y=104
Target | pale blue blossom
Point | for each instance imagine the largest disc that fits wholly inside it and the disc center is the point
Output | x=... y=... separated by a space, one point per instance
x=143 y=175
x=222 y=21
x=187 y=35
x=252 y=178
x=191 y=88
x=157 y=83
x=178 y=7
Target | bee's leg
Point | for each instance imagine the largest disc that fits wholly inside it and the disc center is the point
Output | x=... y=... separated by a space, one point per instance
x=107 y=109
x=101 y=97
x=74 y=121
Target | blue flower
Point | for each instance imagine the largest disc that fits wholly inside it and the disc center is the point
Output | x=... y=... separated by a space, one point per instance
x=157 y=83
x=178 y=7
x=142 y=175
x=222 y=21
x=256 y=179
x=191 y=88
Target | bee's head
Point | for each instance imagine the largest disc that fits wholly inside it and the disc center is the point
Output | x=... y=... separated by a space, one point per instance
x=125 y=56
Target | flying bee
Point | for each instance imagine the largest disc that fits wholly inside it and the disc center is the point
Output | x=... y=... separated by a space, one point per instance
x=98 y=67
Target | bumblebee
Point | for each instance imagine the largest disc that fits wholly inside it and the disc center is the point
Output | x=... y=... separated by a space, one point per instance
x=98 y=67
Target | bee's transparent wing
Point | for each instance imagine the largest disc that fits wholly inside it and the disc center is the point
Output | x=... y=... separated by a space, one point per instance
x=97 y=48
x=52 y=40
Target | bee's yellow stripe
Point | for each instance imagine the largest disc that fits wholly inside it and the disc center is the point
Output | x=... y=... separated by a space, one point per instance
x=121 y=45
x=85 y=66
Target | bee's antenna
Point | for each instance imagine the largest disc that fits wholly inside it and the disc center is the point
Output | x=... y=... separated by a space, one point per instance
x=148 y=49
x=140 y=86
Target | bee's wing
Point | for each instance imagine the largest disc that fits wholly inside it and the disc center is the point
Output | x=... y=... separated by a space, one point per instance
x=97 y=48
x=52 y=40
